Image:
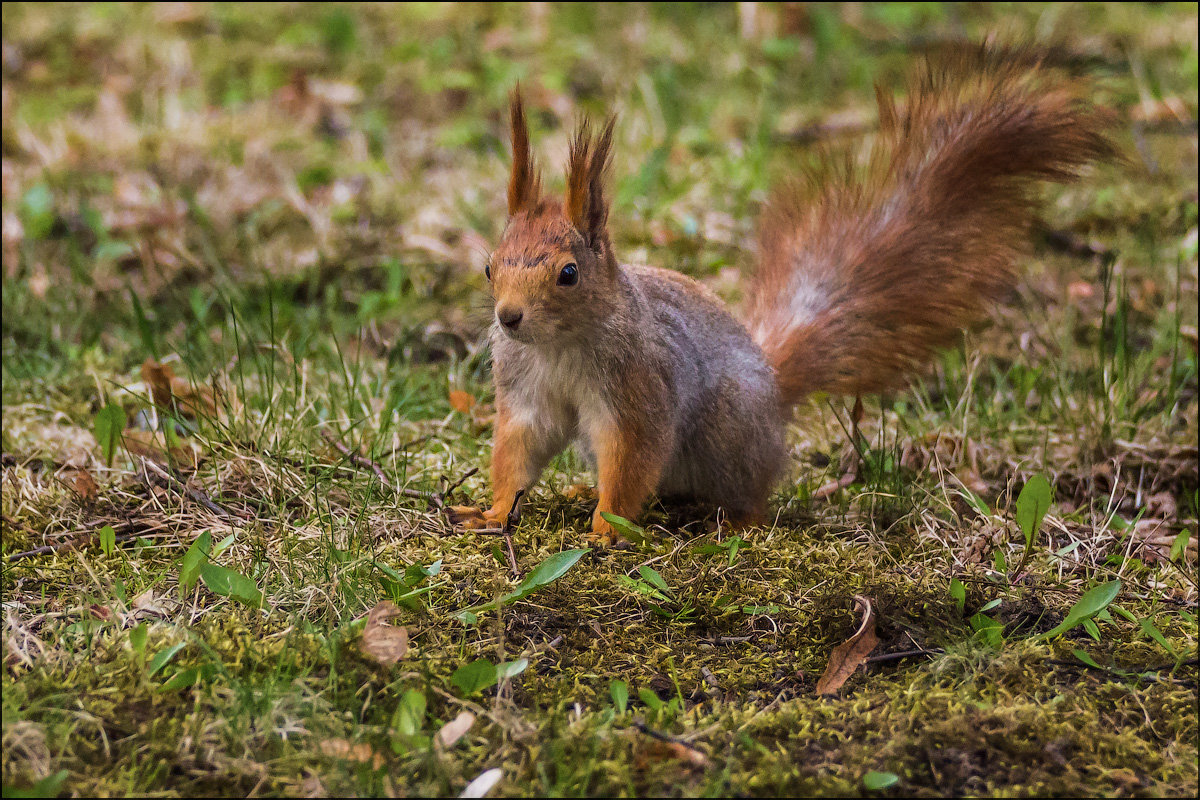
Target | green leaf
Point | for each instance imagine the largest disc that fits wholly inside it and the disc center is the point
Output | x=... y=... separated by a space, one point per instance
x=652 y=701
x=37 y=211
x=630 y=531
x=110 y=421
x=108 y=540
x=988 y=629
x=958 y=593
x=475 y=677
x=1090 y=604
x=874 y=781
x=1032 y=504
x=998 y=561
x=410 y=713
x=1154 y=633
x=991 y=604
x=619 y=690
x=544 y=573
x=651 y=576
x=137 y=638
x=230 y=583
x=510 y=669
x=1179 y=546
x=49 y=786
x=1093 y=631
x=163 y=657
x=181 y=680
x=195 y=557
x=1085 y=658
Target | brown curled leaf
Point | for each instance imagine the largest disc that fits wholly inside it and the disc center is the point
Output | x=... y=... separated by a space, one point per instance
x=86 y=486
x=385 y=643
x=169 y=390
x=461 y=401
x=852 y=653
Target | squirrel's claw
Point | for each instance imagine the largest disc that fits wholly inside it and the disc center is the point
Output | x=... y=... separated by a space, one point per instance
x=472 y=519
x=604 y=535
x=468 y=517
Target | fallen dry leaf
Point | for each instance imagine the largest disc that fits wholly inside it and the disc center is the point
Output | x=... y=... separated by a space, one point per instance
x=850 y=654
x=151 y=445
x=86 y=486
x=657 y=750
x=455 y=729
x=461 y=401
x=169 y=390
x=385 y=643
x=361 y=752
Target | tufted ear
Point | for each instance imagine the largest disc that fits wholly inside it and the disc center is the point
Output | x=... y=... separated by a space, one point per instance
x=589 y=160
x=525 y=183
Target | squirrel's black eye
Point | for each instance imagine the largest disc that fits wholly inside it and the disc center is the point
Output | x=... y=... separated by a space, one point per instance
x=569 y=275
x=487 y=271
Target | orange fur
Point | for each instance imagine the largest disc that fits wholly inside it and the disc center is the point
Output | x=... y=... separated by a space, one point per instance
x=864 y=275
x=628 y=470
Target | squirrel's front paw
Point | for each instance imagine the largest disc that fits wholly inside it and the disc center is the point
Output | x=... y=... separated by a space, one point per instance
x=603 y=534
x=472 y=518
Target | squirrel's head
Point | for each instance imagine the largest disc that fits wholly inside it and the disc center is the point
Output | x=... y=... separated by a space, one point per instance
x=553 y=274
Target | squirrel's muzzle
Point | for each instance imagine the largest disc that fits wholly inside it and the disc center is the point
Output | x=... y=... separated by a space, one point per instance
x=509 y=317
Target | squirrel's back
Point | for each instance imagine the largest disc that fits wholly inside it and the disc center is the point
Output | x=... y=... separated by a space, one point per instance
x=864 y=273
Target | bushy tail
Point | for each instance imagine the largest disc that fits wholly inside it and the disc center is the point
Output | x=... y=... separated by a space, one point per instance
x=863 y=274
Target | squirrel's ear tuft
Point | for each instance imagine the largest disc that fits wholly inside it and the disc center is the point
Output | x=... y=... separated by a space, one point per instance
x=525 y=184
x=587 y=164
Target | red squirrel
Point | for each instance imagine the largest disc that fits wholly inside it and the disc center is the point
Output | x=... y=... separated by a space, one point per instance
x=862 y=274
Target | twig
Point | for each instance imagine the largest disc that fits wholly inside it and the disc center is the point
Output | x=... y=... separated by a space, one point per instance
x=360 y=460
x=450 y=490
x=666 y=737
x=191 y=491
x=514 y=516
x=1139 y=674
x=902 y=654
x=77 y=539
x=436 y=500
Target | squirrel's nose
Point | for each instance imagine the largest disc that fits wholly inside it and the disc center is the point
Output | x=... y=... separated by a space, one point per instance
x=509 y=317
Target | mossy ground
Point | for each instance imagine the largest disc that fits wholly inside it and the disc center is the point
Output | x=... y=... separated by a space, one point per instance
x=297 y=201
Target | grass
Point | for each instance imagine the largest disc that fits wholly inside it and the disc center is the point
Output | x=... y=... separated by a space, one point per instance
x=291 y=207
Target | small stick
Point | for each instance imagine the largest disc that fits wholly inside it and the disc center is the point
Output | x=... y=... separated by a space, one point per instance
x=192 y=492
x=514 y=516
x=360 y=460
x=901 y=654
x=434 y=499
x=666 y=737
x=449 y=491
x=71 y=542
